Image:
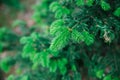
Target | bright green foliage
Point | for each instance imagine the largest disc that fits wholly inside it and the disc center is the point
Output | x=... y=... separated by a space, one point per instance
x=59 y=10
x=42 y=58
x=74 y=67
x=30 y=47
x=10 y=77
x=89 y=2
x=117 y=12
x=80 y=2
x=105 y=6
x=88 y=38
x=25 y=77
x=2 y=32
x=56 y=27
x=61 y=64
x=83 y=36
x=64 y=34
x=61 y=40
x=108 y=77
x=77 y=36
x=54 y=6
x=53 y=66
x=100 y=73
x=5 y=65
x=84 y=42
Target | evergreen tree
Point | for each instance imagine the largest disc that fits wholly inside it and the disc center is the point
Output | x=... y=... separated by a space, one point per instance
x=83 y=42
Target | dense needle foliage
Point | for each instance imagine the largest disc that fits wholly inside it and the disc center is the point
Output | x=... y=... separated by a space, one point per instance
x=71 y=40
